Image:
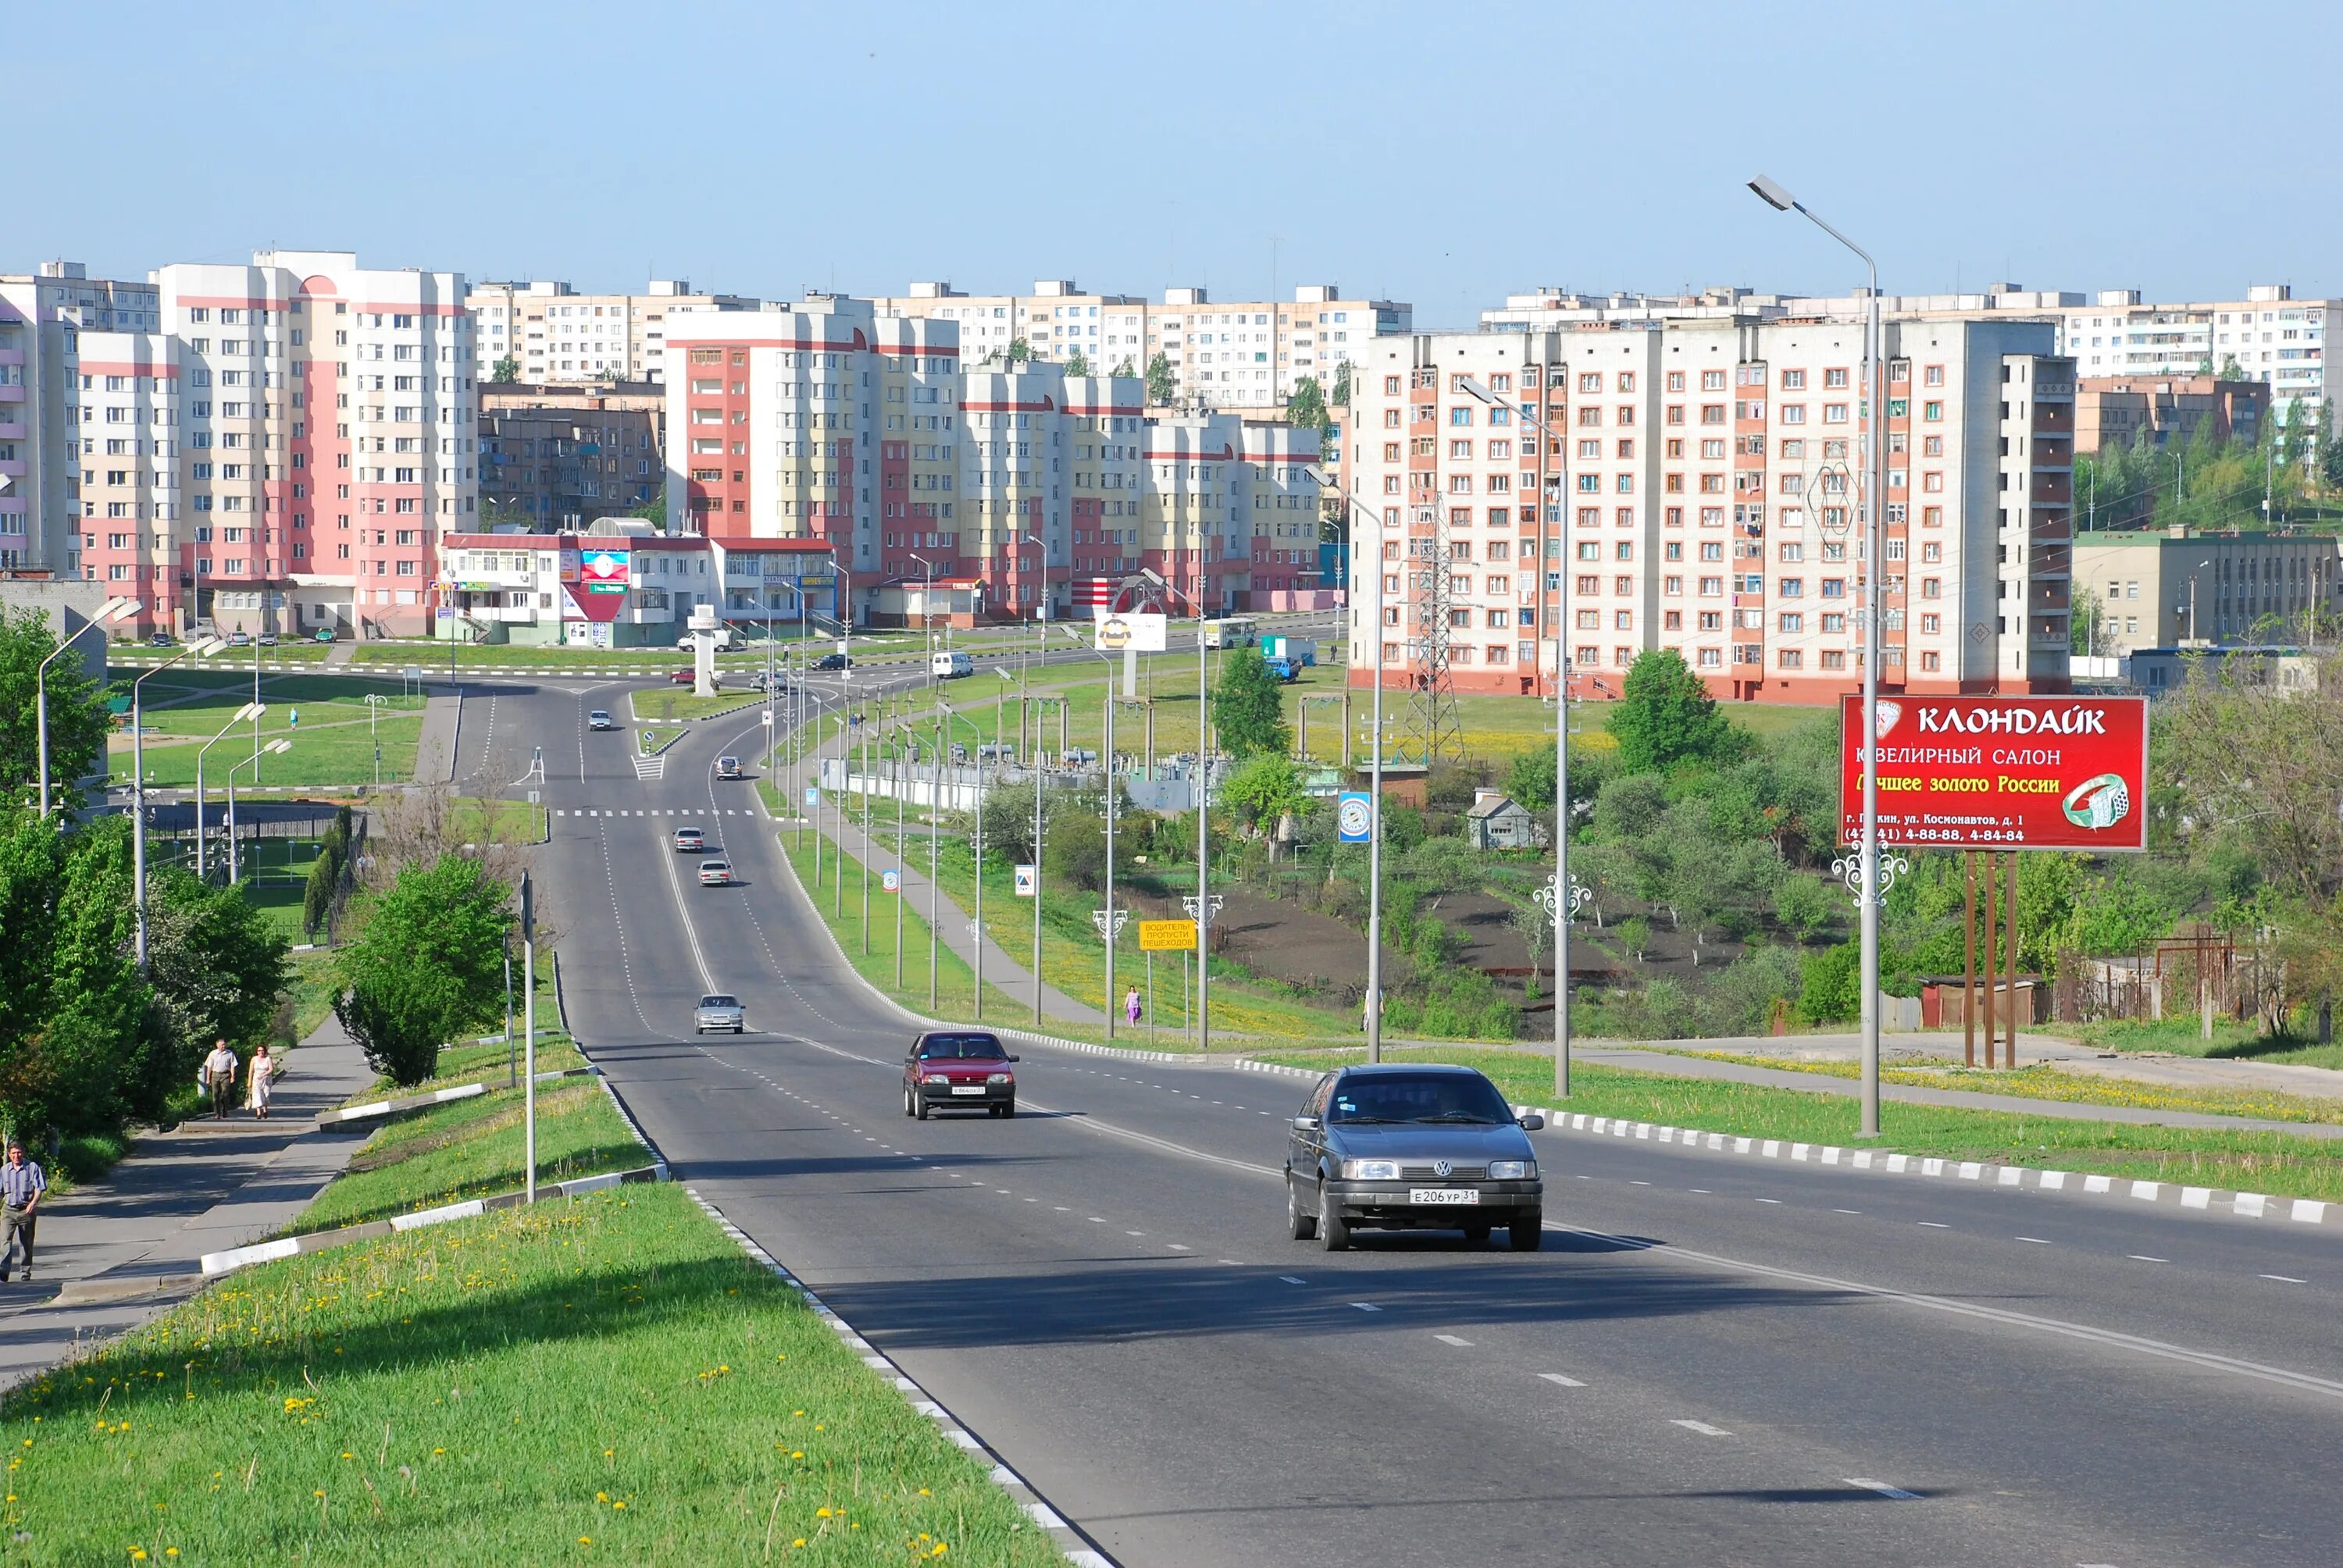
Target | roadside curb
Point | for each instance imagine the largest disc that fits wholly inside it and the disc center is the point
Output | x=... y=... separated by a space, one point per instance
x=215 y=1264
x=1069 y=1538
x=1983 y=1173
x=382 y=1108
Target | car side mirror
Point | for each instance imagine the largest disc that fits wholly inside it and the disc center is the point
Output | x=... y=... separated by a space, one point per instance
x=1305 y=1124
x=1008 y=1058
x=1532 y=1122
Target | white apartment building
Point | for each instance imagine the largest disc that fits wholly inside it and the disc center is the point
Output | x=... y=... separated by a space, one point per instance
x=2274 y=337
x=285 y=451
x=1055 y=322
x=43 y=316
x=1570 y=308
x=1695 y=489
x=551 y=333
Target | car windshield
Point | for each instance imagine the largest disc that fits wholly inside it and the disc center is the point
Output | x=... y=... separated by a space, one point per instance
x=719 y=1002
x=1453 y=1097
x=968 y=1046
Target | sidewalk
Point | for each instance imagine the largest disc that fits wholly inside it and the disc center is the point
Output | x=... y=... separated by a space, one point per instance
x=435 y=744
x=1001 y=971
x=114 y=1254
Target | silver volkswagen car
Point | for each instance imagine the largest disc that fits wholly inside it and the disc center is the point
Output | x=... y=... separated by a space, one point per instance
x=1411 y=1146
x=718 y=1012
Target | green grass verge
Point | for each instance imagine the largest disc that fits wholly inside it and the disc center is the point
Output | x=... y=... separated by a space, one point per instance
x=472 y=1148
x=2278 y=1164
x=2231 y=1041
x=490 y=1064
x=603 y=1380
x=669 y=703
x=316 y=977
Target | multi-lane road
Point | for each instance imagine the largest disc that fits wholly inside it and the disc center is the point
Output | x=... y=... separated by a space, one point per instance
x=1712 y=1359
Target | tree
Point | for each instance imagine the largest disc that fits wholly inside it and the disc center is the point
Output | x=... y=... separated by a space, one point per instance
x=506 y=371
x=1531 y=780
x=1020 y=351
x=1306 y=409
x=1535 y=927
x=2084 y=626
x=1078 y=364
x=1830 y=984
x=1126 y=368
x=428 y=963
x=2231 y=370
x=1158 y=381
x=216 y=966
x=1341 y=397
x=78 y=722
x=1248 y=708
x=1264 y=788
x=1666 y=716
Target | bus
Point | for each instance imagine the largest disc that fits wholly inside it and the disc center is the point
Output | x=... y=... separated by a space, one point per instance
x=1231 y=631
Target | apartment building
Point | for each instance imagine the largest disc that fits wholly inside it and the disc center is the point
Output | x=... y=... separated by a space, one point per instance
x=1228 y=355
x=621 y=584
x=545 y=331
x=1695 y=487
x=2174 y=589
x=282 y=452
x=2122 y=410
x=2272 y=337
x=548 y=465
x=1564 y=308
x=43 y=315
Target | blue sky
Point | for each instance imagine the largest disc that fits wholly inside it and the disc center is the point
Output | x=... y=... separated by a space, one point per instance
x=1440 y=154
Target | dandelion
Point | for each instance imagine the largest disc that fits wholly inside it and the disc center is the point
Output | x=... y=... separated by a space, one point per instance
x=620 y=1505
x=821 y=1513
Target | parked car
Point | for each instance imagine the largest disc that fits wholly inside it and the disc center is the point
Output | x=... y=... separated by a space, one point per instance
x=833 y=661
x=715 y=873
x=324 y=634
x=1411 y=1146
x=718 y=1012
x=267 y=639
x=728 y=768
x=238 y=640
x=601 y=720
x=957 y=1069
x=160 y=639
x=690 y=840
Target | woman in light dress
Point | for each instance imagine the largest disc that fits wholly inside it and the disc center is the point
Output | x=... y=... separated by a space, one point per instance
x=260 y=1079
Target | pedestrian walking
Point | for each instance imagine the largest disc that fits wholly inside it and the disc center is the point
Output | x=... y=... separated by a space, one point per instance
x=22 y=1182
x=260 y=1079
x=1131 y=1007
x=219 y=1079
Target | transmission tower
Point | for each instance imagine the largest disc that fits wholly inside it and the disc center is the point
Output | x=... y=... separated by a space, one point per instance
x=1433 y=732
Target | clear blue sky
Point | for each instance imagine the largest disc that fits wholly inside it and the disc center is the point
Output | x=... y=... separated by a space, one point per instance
x=1438 y=154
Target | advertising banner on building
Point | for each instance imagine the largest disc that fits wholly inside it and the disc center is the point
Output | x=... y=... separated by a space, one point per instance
x=2002 y=772
x=1143 y=632
x=604 y=570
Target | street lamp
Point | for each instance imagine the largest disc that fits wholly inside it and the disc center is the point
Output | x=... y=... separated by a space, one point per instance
x=250 y=711
x=1871 y=894
x=1203 y=909
x=275 y=747
x=1375 y=1009
x=1107 y=924
x=2199 y=566
x=112 y=610
x=204 y=649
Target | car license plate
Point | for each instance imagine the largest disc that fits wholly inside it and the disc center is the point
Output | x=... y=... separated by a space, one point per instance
x=1433 y=1196
x=968 y=1089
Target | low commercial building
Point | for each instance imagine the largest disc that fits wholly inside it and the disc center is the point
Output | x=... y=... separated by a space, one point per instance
x=2143 y=590
x=624 y=584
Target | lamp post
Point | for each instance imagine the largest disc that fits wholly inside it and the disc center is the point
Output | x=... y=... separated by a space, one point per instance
x=2199 y=566
x=1203 y=910
x=112 y=610
x=1555 y=897
x=203 y=649
x=274 y=747
x=1871 y=894
x=1374 y=1006
x=1107 y=924
x=252 y=711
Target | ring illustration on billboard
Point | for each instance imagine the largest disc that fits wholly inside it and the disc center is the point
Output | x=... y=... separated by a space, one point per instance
x=2001 y=772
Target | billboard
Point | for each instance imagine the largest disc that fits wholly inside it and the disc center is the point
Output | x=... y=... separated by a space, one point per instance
x=1139 y=631
x=2002 y=772
x=604 y=570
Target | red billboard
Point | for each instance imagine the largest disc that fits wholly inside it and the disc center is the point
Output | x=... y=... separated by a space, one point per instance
x=2002 y=772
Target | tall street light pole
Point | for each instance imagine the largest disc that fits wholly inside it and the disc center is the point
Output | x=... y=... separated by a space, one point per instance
x=1113 y=808
x=113 y=609
x=235 y=869
x=1870 y=895
x=203 y=649
x=1374 y=1004
x=1203 y=812
x=252 y=711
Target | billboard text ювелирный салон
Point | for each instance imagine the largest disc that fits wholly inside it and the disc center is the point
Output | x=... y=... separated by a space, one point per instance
x=2002 y=772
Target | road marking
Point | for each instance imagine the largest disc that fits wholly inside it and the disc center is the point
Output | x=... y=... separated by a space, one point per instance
x=1231 y=1263
x=1639 y=1183
x=1288 y=1278
x=1453 y=1340
x=1846 y=1210
x=2144 y=1258
x=1704 y=1191
x=2035 y=1240
x=1134 y=1233
x=2286 y=1279
x=1555 y=1377
x=1366 y=1306
x=1702 y=1427
x=1177 y=1246
x=1096 y=1220
x=1062 y=1209
x=1936 y=1224
x=1773 y=1201
x=1881 y=1487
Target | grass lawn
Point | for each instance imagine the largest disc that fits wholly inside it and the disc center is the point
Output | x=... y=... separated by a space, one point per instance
x=315 y=979
x=2231 y=1041
x=673 y=702
x=606 y=1379
x=2273 y=1162
x=332 y=744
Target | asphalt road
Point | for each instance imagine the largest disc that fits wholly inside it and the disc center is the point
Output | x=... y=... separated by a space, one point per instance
x=1712 y=1359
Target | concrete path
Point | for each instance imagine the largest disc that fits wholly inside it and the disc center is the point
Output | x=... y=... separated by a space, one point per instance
x=2163 y=1068
x=114 y=1254
x=341 y=653
x=435 y=745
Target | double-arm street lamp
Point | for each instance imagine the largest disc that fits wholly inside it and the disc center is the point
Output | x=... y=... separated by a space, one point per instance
x=1869 y=894
x=1203 y=909
x=274 y=749
x=112 y=610
x=1374 y=1004
x=251 y=711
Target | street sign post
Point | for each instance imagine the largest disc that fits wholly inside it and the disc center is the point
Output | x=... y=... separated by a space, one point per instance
x=1355 y=817
x=1028 y=877
x=892 y=882
x=1167 y=936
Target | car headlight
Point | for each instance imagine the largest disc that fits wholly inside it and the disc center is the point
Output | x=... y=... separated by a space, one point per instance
x=935 y=1078
x=1369 y=1169
x=998 y=1077
x=1512 y=1170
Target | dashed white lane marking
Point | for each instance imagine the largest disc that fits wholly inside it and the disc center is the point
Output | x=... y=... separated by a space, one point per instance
x=1639 y=1183
x=2037 y=1241
x=1062 y=1208
x=1936 y=1225
x=1097 y=1221
x=1231 y=1263
x=1288 y=1278
x=1702 y=1427
x=1704 y=1191
x=1776 y=1201
x=1366 y=1306
x=2144 y=1258
x=1453 y=1340
x=2286 y=1279
x=1134 y=1233
x=1881 y=1487
x=1177 y=1246
x=1846 y=1210
x=1555 y=1377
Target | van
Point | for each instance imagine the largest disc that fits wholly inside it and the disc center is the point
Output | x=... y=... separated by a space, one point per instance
x=949 y=666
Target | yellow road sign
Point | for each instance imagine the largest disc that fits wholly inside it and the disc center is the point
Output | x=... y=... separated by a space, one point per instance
x=1167 y=936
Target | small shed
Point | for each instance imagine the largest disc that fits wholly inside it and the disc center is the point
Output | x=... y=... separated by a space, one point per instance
x=1498 y=821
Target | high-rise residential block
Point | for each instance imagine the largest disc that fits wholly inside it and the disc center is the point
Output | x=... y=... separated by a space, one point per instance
x=2270 y=335
x=43 y=317
x=543 y=331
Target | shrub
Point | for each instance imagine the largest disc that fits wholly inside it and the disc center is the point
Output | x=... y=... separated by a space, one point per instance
x=1830 y=985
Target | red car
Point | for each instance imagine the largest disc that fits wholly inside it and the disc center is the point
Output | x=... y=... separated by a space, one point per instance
x=957 y=1069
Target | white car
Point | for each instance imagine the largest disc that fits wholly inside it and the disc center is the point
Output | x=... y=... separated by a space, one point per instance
x=599 y=719
x=715 y=873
